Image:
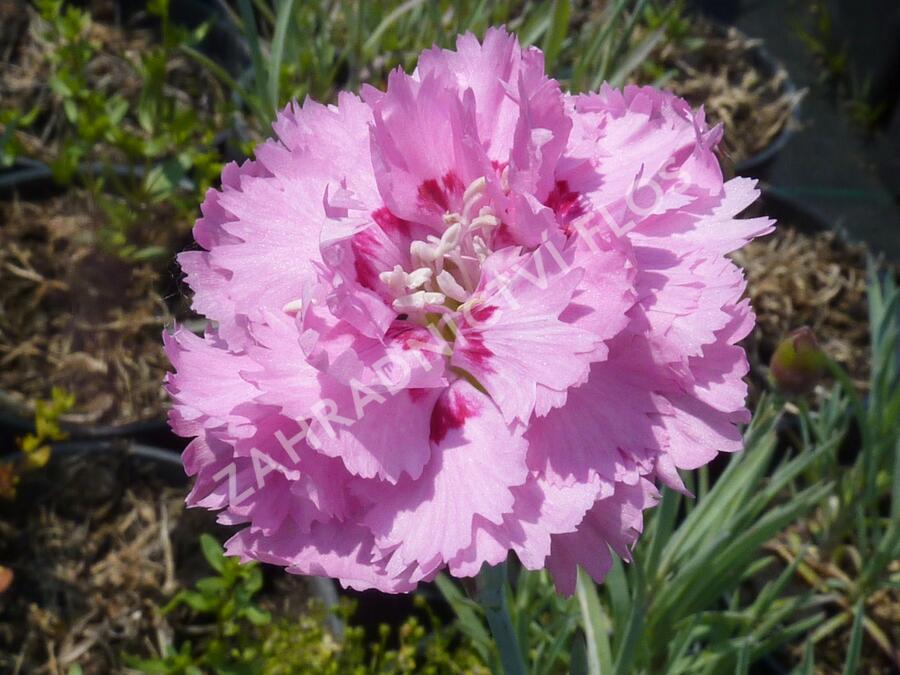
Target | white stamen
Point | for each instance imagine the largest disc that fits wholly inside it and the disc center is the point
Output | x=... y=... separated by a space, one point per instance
x=395 y=280
x=486 y=222
x=398 y=281
x=481 y=249
x=451 y=287
x=418 y=278
x=461 y=248
x=475 y=189
x=422 y=252
x=450 y=238
x=472 y=196
x=293 y=307
x=418 y=300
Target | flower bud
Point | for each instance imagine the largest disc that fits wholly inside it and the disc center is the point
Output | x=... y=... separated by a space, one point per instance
x=798 y=363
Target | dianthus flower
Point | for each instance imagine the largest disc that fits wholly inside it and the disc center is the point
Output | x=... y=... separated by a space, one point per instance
x=467 y=315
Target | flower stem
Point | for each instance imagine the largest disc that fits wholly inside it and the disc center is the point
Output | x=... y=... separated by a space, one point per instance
x=492 y=598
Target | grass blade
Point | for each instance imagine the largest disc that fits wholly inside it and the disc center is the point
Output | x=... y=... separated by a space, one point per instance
x=370 y=48
x=599 y=654
x=554 y=37
x=467 y=614
x=809 y=659
x=634 y=58
x=851 y=665
x=251 y=32
x=285 y=7
x=626 y=648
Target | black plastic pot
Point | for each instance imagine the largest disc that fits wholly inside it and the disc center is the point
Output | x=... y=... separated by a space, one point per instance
x=163 y=463
x=223 y=42
x=759 y=165
x=33 y=178
x=154 y=431
x=782 y=207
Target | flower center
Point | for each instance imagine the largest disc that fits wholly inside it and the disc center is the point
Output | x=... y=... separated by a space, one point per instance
x=446 y=269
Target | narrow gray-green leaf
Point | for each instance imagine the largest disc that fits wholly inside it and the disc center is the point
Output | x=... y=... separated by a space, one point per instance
x=599 y=655
x=636 y=56
x=554 y=37
x=285 y=7
x=851 y=665
x=251 y=32
x=626 y=647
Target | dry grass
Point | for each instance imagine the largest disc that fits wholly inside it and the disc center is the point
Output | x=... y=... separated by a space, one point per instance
x=715 y=68
x=796 y=279
x=90 y=571
x=75 y=317
x=98 y=543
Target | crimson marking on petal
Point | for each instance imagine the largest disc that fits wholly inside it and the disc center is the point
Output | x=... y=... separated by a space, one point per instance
x=390 y=223
x=499 y=166
x=564 y=202
x=450 y=412
x=432 y=197
x=406 y=334
x=417 y=394
x=364 y=245
x=475 y=350
x=482 y=313
x=502 y=237
x=453 y=184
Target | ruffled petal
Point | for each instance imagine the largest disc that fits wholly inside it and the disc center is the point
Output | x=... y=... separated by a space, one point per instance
x=513 y=339
x=477 y=459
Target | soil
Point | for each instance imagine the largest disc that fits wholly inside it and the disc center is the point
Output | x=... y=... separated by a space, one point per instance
x=96 y=545
x=25 y=70
x=75 y=316
x=719 y=68
x=797 y=278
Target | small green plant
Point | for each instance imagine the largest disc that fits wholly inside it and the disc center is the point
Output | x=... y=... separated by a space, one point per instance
x=672 y=20
x=10 y=144
x=92 y=114
x=35 y=447
x=244 y=638
x=97 y=117
x=132 y=153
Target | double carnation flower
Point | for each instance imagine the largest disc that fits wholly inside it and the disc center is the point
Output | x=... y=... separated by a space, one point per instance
x=468 y=315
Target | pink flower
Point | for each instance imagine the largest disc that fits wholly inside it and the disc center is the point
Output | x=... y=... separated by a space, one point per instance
x=466 y=316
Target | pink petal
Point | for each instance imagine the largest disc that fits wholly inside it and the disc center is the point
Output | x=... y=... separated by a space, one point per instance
x=476 y=461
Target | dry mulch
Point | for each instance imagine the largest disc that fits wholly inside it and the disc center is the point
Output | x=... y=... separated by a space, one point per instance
x=797 y=278
x=97 y=544
x=75 y=316
x=716 y=67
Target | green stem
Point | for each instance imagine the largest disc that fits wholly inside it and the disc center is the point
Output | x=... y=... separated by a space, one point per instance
x=492 y=598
